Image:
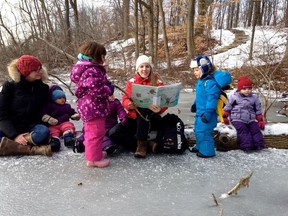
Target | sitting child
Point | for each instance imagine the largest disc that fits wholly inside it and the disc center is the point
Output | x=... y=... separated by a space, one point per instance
x=116 y=112
x=245 y=112
x=56 y=114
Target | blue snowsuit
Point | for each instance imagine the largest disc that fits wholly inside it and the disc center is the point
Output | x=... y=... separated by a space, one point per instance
x=207 y=94
x=208 y=90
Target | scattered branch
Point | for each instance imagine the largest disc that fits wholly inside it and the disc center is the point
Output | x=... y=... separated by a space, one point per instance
x=221 y=212
x=243 y=182
x=215 y=200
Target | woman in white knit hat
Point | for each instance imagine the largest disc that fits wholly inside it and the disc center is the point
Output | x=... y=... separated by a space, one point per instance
x=139 y=125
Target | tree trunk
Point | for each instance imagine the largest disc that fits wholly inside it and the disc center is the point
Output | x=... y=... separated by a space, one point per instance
x=252 y=36
x=166 y=48
x=190 y=29
x=126 y=12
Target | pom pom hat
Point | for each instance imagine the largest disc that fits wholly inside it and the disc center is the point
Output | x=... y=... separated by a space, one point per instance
x=244 y=82
x=203 y=62
x=143 y=59
x=27 y=63
x=56 y=94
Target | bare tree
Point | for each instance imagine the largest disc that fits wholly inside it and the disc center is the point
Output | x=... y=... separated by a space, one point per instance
x=165 y=39
x=190 y=29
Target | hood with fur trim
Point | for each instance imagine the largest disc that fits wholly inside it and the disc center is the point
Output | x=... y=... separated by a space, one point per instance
x=15 y=75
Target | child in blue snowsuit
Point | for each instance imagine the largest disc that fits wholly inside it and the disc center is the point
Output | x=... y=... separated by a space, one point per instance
x=208 y=90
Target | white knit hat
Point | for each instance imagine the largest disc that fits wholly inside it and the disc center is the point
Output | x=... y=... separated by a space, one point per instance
x=143 y=59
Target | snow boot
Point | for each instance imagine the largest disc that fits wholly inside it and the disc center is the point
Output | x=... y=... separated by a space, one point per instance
x=141 y=150
x=99 y=164
x=10 y=147
x=110 y=149
x=69 y=139
x=78 y=146
x=55 y=144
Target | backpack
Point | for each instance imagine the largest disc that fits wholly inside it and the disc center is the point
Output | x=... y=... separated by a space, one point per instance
x=170 y=136
x=223 y=80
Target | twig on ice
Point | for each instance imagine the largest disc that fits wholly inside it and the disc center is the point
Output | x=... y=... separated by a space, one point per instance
x=215 y=200
x=243 y=182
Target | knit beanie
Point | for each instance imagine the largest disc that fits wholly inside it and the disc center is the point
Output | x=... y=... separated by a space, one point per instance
x=56 y=94
x=143 y=59
x=244 y=82
x=27 y=63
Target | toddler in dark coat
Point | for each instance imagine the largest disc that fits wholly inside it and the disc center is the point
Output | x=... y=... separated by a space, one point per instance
x=56 y=114
x=244 y=109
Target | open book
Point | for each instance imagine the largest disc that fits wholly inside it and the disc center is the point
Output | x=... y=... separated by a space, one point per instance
x=163 y=96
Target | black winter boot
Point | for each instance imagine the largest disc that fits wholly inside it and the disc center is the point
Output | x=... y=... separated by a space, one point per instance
x=78 y=146
x=69 y=139
x=55 y=144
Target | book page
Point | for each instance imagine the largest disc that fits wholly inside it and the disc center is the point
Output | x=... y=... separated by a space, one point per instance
x=163 y=96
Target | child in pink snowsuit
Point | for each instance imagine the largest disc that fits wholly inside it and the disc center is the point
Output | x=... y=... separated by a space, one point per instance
x=92 y=91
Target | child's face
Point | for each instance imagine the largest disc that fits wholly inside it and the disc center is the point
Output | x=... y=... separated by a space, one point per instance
x=246 y=91
x=197 y=72
x=144 y=70
x=60 y=101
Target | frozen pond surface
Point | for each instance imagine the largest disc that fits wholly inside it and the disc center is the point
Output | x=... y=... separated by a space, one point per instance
x=160 y=185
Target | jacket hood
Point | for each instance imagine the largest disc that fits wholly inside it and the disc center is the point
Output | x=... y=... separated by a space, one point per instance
x=15 y=75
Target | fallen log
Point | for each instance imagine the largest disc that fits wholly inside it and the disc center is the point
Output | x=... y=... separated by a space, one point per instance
x=275 y=136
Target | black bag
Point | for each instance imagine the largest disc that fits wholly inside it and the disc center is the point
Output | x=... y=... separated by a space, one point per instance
x=170 y=136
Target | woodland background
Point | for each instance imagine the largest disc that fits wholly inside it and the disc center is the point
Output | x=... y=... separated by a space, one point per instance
x=166 y=30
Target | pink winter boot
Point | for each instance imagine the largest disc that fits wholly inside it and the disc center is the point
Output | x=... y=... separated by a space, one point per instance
x=100 y=164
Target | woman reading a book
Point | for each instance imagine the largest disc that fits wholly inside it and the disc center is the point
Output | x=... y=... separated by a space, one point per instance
x=142 y=120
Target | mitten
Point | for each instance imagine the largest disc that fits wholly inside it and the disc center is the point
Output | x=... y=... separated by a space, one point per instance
x=206 y=117
x=225 y=117
x=75 y=116
x=261 y=123
x=50 y=120
x=193 y=108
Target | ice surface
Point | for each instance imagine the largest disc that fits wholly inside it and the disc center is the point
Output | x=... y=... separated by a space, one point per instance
x=157 y=185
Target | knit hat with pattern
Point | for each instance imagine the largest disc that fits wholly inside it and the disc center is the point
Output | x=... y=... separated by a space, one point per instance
x=27 y=63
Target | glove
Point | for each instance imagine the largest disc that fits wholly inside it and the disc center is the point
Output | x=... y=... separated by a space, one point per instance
x=111 y=87
x=261 y=123
x=225 y=117
x=206 y=117
x=50 y=120
x=193 y=108
x=75 y=116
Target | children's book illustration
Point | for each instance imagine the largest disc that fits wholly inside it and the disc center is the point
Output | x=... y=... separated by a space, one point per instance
x=163 y=96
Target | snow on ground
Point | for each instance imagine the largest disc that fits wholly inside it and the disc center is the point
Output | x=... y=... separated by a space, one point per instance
x=267 y=41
